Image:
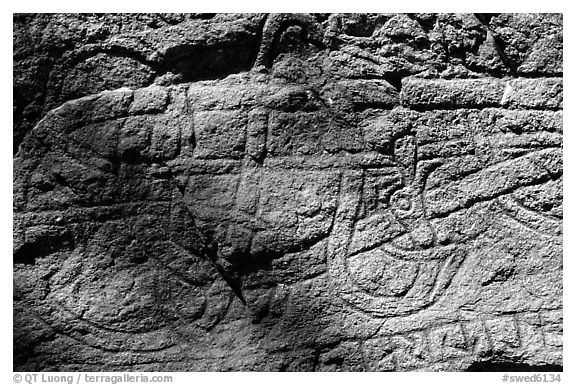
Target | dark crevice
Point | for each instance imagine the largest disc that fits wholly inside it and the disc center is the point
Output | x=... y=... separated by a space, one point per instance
x=60 y=179
x=203 y=16
x=395 y=80
x=316 y=360
x=245 y=263
x=191 y=62
x=499 y=43
x=506 y=366
x=485 y=18
x=450 y=107
x=194 y=63
x=234 y=282
x=43 y=245
x=26 y=254
x=210 y=250
x=500 y=46
x=361 y=107
x=321 y=17
x=427 y=24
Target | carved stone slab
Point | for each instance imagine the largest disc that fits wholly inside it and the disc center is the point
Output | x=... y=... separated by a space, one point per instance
x=362 y=192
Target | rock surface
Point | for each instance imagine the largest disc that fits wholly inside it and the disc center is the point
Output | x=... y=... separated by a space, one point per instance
x=288 y=192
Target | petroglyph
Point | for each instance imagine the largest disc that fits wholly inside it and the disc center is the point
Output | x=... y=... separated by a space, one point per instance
x=316 y=192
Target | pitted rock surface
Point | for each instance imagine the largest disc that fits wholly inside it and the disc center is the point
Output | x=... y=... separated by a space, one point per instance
x=281 y=192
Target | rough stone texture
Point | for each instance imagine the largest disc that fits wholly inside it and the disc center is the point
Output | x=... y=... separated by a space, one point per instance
x=288 y=192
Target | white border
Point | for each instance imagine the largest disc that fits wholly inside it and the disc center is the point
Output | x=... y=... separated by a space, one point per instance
x=299 y=6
